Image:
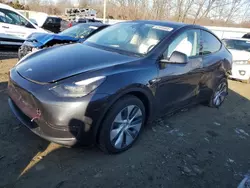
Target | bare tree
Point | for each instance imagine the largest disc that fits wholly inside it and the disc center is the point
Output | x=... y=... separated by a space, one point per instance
x=234 y=7
x=200 y=5
x=187 y=6
x=179 y=9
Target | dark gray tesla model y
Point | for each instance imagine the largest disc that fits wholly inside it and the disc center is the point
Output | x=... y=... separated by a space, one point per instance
x=105 y=90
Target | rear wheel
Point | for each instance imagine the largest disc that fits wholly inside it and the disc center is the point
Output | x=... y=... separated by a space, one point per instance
x=219 y=94
x=122 y=125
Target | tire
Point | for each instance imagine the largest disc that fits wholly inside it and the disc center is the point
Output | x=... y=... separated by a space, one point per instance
x=116 y=137
x=219 y=94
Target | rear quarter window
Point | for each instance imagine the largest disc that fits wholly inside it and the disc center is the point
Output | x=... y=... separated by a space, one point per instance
x=209 y=43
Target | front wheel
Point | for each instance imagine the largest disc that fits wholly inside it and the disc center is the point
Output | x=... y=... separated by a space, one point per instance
x=122 y=125
x=219 y=94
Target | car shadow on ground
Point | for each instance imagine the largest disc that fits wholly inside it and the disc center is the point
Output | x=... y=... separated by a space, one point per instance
x=197 y=147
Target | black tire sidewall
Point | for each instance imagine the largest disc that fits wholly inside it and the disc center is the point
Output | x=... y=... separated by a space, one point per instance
x=104 y=136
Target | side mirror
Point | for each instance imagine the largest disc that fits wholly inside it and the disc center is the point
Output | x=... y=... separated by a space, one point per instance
x=176 y=58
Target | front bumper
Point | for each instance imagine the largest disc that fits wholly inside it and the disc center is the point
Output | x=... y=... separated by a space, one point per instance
x=240 y=72
x=38 y=130
x=59 y=120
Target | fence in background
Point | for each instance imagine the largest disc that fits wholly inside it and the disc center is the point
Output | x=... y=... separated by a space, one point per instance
x=221 y=32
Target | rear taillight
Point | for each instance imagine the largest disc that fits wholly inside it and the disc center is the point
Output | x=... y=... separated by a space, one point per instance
x=70 y=24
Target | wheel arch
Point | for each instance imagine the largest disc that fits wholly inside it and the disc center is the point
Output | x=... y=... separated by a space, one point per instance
x=140 y=93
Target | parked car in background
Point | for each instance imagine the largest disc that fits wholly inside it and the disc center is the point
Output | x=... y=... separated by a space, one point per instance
x=77 y=33
x=240 y=49
x=14 y=25
x=84 y=20
x=104 y=90
x=10 y=41
x=65 y=25
x=33 y=21
x=53 y=24
x=246 y=36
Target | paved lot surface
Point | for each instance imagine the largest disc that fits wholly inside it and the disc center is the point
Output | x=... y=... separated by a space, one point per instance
x=198 y=147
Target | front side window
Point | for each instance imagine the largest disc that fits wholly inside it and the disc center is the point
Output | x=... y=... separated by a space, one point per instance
x=209 y=43
x=139 y=38
x=9 y=17
x=187 y=43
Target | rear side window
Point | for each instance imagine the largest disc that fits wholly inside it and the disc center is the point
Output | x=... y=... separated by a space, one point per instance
x=209 y=43
x=53 y=20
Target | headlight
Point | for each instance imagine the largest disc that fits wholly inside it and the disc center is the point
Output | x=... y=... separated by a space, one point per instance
x=24 y=57
x=78 y=89
x=243 y=62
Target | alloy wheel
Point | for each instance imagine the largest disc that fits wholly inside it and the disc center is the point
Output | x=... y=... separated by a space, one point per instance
x=220 y=94
x=126 y=126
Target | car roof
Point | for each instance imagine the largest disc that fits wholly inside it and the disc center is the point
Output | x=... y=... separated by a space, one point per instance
x=97 y=24
x=54 y=16
x=235 y=38
x=174 y=25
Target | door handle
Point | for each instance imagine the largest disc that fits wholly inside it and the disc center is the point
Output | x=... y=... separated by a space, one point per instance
x=6 y=27
x=154 y=81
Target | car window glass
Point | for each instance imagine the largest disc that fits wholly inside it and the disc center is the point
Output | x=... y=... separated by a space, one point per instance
x=209 y=43
x=138 y=38
x=79 y=31
x=49 y=20
x=5 y=18
x=237 y=44
x=10 y=17
x=186 y=43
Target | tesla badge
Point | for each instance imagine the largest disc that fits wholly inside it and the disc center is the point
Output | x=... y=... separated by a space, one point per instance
x=29 y=70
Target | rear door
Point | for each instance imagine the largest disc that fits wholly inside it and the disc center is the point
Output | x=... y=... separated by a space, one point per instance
x=179 y=83
x=212 y=59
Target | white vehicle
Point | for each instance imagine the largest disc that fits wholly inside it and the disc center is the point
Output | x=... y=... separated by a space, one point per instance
x=13 y=23
x=240 y=49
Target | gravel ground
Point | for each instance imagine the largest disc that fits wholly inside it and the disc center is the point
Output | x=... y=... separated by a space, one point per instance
x=197 y=147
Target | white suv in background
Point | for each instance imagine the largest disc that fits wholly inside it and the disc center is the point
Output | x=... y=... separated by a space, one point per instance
x=14 y=26
x=240 y=49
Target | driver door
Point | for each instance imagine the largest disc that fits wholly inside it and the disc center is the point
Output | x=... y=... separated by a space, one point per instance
x=178 y=84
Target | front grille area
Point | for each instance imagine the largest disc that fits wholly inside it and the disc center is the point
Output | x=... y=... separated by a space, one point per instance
x=23 y=100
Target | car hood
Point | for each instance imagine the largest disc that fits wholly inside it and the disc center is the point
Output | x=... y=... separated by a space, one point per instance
x=57 y=63
x=40 y=39
x=239 y=55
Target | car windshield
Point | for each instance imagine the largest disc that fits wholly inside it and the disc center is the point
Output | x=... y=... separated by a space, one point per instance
x=79 y=31
x=237 y=44
x=138 y=38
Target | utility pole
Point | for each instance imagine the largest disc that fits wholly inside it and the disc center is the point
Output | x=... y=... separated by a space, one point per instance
x=104 y=10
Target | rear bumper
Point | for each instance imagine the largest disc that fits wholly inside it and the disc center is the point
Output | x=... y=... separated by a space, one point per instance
x=38 y=130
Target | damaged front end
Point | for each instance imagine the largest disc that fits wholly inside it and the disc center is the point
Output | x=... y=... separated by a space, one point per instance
x=38 y=41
